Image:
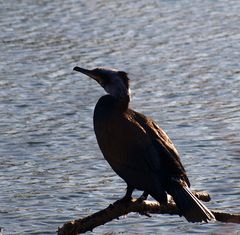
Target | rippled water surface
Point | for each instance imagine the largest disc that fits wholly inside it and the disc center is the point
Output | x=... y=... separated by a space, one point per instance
x=183 y=59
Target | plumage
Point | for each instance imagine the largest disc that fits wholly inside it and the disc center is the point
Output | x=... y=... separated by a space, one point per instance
x=138 y=150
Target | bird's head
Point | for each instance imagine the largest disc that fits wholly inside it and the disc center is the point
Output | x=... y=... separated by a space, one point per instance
x=114 y=82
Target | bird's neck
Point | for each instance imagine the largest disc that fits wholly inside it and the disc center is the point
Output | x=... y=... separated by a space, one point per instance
x=123 y=98
x=122 y=103
x=108 y=105
x=119 y=91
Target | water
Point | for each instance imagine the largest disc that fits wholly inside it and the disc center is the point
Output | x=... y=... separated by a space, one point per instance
x=183 y=61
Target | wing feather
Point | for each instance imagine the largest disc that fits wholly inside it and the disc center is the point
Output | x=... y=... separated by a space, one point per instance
x=162 y=153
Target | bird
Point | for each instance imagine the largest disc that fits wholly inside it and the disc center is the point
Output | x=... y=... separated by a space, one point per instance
x=138 y=150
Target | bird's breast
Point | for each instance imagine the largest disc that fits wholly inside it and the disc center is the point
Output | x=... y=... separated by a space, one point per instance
x=121 y=140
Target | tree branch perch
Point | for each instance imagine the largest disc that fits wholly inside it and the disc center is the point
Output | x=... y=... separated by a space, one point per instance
x=117 y=209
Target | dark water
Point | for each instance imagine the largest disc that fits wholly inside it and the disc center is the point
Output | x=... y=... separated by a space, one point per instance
x=183 y=58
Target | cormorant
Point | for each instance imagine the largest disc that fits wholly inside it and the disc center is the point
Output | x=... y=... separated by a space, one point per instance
x=138 y=150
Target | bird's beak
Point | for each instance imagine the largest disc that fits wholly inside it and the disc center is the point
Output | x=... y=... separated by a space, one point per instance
x=89 y=73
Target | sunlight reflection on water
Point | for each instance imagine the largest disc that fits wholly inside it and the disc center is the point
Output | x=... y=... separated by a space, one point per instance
x=183 y=61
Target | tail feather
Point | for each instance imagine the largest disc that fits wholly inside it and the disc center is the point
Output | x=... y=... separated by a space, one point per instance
x=190 y=207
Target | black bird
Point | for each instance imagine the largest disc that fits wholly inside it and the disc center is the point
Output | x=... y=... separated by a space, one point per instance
x=138 y=150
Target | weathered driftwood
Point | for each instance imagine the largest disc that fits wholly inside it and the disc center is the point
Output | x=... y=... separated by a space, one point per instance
x=119 y=208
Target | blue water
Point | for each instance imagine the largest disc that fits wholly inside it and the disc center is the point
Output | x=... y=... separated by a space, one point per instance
x=183 y=61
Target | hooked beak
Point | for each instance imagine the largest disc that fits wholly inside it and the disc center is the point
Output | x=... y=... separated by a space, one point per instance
x=89 y=73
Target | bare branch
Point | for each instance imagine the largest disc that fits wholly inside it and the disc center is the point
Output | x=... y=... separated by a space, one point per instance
x=114 y=211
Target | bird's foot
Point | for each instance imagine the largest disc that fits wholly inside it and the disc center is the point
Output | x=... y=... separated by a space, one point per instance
x=127 y=197
x=143 y=197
